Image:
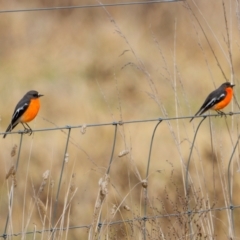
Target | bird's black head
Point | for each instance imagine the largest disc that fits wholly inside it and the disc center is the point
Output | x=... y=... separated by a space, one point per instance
x=228 y=84
x=33 y=94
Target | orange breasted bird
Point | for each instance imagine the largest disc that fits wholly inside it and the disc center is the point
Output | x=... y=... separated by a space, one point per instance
x=25 y=111
x=217 y=100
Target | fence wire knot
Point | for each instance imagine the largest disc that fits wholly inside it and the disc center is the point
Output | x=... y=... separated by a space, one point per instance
x=99 y=226
x=120 y=123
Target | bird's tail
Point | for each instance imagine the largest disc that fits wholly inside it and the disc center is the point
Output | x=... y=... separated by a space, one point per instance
x=199 y=112
x=10 y=128
x=193 y=117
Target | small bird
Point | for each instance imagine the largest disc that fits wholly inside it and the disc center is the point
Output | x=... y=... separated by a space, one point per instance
x=218 y=99
x=25 y=111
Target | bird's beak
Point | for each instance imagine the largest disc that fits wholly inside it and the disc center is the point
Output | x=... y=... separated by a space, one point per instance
x=40 y=95
x=232 y=85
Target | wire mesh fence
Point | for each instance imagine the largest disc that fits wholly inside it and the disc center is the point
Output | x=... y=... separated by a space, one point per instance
x=194 y=206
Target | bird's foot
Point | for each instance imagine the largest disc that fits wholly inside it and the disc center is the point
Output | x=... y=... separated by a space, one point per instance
x=221 y=113
x=27 y=130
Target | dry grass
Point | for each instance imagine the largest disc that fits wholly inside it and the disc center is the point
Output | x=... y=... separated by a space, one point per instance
x=117 y=64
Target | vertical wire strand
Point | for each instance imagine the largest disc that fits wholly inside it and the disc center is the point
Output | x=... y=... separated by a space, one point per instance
x=186 y=179
x=19 y=150
x=113 y=147
x=109 y=166
x=229 y=187
x=11 y=192
x=60 y=181
x=148 y=165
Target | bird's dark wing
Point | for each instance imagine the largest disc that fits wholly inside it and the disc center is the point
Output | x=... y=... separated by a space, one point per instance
x=18 y=112
x=213 y=98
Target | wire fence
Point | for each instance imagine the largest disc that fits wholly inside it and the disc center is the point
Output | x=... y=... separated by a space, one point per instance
x=189 y=211
x=189 y=214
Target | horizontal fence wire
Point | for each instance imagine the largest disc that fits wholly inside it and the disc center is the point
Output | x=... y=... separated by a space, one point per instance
x=121 y=123
x=120 y=4
x=143 y=219
x=189 y=212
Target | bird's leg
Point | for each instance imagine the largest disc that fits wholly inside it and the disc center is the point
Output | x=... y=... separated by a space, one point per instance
x=221 y=113
x=27 y=129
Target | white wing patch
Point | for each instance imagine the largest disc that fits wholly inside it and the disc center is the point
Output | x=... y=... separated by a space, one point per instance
x=221 y=96
x=211 y=103
x=17 y=113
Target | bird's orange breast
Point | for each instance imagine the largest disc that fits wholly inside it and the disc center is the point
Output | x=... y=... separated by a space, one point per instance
x=31 y=111
x=225 y=101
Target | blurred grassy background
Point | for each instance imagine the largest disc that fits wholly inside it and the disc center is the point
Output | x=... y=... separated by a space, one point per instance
x=88 y=74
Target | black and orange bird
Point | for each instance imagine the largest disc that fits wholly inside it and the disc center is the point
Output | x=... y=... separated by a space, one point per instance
x=217 y=100
x=25 y=111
